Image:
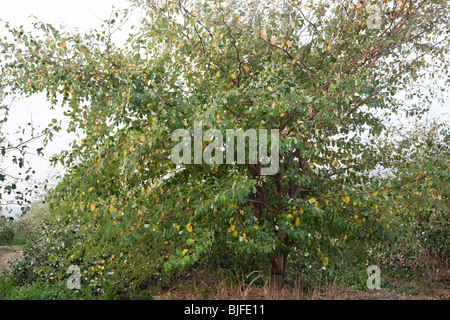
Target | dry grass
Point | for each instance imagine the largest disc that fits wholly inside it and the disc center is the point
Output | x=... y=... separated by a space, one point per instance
x=221 y=288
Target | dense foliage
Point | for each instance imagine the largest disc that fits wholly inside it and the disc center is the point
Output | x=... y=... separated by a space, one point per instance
x=129 y=217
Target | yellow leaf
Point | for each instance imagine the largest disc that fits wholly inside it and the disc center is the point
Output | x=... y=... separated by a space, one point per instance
x=329 y=46
x=92 y=206
x=189 y=227
x=270 y=89
x=312 y=200
x=217 y=74
x=247 y=69
x=325 y=261
x=264 y=34
x=289 y=43
x=62 y=45
x=301 y=211
x=375 y=193
x=235 y=233
x=282 y=114
x=142 y=138
x=273 y=41
x=297 y=221
x=111 y=209
x=289 y=216
x=346 y=199
x=185 y=251
x=232 y=228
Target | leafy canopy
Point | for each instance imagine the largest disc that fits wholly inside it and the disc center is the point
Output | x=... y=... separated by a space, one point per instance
x=315 y=71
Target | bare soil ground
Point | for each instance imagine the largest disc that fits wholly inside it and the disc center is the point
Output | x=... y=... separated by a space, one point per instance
x=7 y=254
x=326 y=294
x=350 y=294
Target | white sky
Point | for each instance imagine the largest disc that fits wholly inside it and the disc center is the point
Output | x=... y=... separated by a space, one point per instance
x=83 y=14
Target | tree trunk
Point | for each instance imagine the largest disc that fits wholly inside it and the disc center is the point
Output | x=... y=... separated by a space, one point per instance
x=278 y=264
x=277 y=273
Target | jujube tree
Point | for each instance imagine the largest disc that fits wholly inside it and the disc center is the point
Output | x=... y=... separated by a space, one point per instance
x=316 y=71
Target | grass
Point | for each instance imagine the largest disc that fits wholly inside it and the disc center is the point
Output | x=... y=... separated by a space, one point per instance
x=206 y=286
x=40 y=291
x=221 y=289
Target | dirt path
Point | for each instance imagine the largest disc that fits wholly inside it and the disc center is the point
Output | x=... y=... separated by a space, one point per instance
x=351 y=294
x=6 y=254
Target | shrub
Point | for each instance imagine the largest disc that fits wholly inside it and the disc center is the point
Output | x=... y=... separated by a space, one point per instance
x=6 y=232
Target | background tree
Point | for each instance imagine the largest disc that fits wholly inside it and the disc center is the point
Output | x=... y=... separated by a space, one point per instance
x=17 y=186
x=316 y=71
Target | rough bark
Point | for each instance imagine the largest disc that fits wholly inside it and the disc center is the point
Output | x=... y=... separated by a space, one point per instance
x=277 y=273
x=278 y=267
